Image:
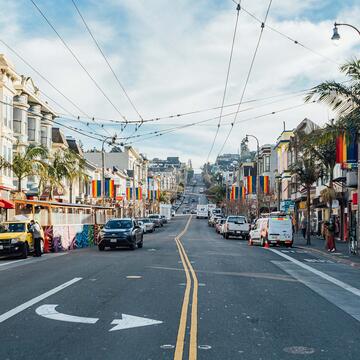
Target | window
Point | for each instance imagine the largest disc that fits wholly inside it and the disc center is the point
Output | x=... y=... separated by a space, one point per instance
x=267 y=164
x=31 y=128
x=5 y=110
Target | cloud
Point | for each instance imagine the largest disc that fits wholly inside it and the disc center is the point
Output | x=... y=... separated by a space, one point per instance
x=173 y=59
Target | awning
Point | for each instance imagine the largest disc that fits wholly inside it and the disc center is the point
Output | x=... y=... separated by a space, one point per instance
x=6 y=204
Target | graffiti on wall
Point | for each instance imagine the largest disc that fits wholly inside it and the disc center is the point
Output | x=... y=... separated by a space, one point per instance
x=68 y=237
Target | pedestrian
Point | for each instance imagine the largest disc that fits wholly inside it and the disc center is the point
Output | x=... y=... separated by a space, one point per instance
x=330 y=238
x=303 y=226
x=36 y=234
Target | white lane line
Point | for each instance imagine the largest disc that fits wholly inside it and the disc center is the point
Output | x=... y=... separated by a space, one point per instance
x=49 y=311
x=7 y=315
x=14 y=262
x=327 y=277
x=32 y=261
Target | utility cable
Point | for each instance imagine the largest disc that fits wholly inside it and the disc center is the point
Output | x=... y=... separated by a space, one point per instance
x=296 y=42
x=106 y=60
x=77 y=60
x=226 y=80
x=248 y=75
x=17 y=54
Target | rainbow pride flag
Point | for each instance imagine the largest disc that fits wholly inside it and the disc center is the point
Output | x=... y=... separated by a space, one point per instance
x=251 y=184
x=264 y=184
x=96 y=188
x=346 y=149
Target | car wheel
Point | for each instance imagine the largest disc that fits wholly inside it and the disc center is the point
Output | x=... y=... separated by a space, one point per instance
x=133 y=245
x=101 y=246
x=141 y=243
x=25 y=251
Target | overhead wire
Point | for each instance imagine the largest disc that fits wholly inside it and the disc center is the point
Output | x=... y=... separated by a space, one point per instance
x=18 y=55
x=171 y=130
x=296 y=42
x=248 y=75
x=78 y=60
x=197 y=123
x=107 y=61
x=80 y=131
x=226 y=79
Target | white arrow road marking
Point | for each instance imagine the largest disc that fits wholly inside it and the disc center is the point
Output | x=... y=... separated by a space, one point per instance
x=37 y=299
x=129 y=321
x=48 y=311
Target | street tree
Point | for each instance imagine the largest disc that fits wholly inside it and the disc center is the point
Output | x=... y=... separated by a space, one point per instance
x=28 y=163
x=307 y=171
x=53 y=174
x=75 y=170
x=344 y=97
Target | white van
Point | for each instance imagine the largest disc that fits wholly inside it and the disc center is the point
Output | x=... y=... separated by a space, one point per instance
x=276 y=230
x=202 y=212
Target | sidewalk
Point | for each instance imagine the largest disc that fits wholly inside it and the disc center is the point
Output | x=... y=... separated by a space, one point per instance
x=318 y=246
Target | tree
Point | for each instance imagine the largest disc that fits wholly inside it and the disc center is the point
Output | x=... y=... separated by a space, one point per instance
x=342 y=98
x=321 y=143
x=28 y=163
x=307 y=171
x=53 y=174
x=75 y=169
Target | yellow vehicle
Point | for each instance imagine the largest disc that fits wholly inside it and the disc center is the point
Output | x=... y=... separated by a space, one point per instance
x=16 y=240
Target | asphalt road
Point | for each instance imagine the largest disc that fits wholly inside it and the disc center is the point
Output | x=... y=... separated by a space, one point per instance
x=212 y=298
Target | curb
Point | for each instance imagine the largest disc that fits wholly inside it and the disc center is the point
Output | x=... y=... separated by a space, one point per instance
x=330 y=256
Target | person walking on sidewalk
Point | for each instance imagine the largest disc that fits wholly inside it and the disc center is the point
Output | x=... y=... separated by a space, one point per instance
x=330 y=235
x=36 y=234
x=303 y=226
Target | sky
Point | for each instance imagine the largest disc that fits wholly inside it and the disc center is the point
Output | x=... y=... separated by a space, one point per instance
x=172 y=58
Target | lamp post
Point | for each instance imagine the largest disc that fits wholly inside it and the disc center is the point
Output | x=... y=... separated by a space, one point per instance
x=113 y=139
x=257 y=173
x=336 y=35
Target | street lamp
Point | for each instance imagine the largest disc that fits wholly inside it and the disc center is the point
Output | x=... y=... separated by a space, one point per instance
x=336 y=35
x=257 y=173
x=113 y=139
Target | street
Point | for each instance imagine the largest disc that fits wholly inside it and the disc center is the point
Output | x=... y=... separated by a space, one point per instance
x=252 y=303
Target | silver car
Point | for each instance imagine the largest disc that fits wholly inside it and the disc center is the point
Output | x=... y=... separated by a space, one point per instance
x=149 y=225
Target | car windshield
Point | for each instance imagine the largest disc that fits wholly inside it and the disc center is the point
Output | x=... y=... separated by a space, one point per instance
x=145 y=220
x=118 y=224
x=12 y=227
x=236 y=219
x=153 y=216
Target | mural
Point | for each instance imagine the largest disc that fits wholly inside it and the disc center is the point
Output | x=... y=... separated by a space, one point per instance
x=69 y=237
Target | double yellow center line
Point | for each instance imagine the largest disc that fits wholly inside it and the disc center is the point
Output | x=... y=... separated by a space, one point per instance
x=190 y=279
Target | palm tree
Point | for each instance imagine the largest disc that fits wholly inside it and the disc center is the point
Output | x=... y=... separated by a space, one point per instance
x=54 y=173
x=75 y=169
x=28 y=163
x=307 y=172
x=342 y=98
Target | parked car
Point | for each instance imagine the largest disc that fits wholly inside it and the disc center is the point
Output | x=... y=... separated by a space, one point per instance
x=275 y=230
x=173 y=212
x=163 y=219
x=236 y=226
x=213 y=219
x=219 y=225
x=149 y=225
x=16 y=240
x=193 y=211
x=156 y=219
x=121 y=232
